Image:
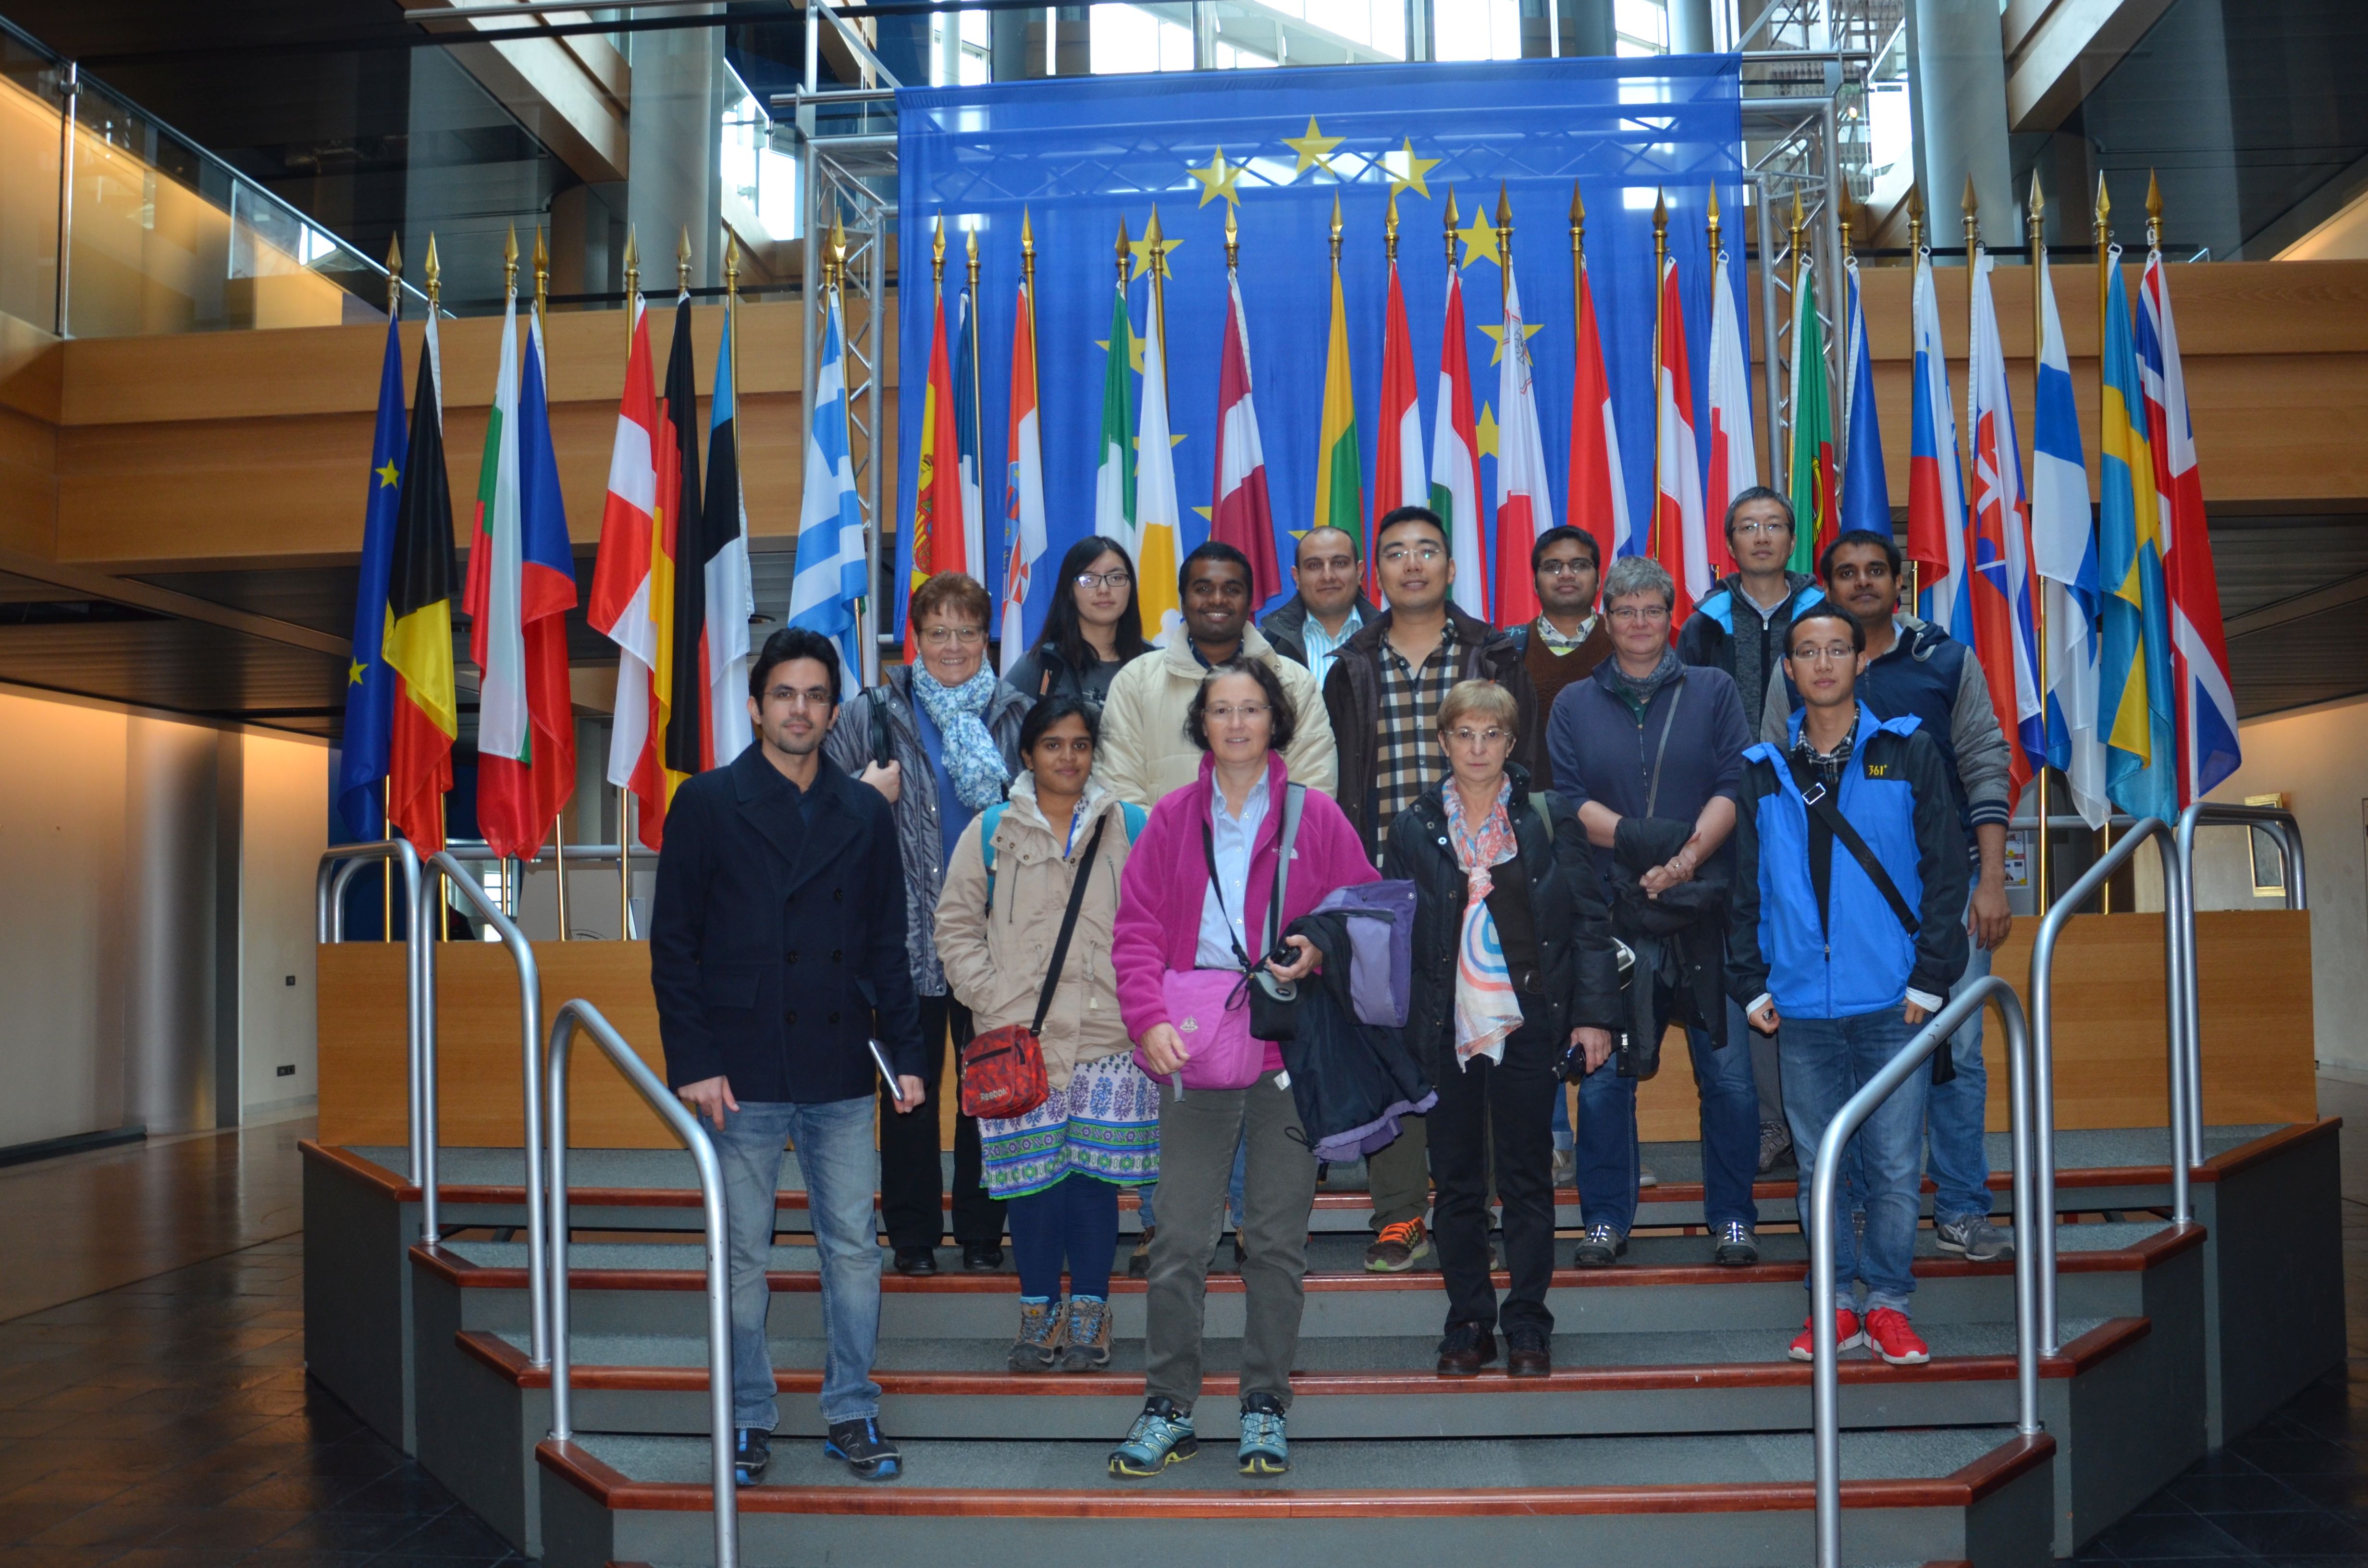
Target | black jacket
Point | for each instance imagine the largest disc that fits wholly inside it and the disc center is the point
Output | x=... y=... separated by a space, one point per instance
x=1565 y=972
x=1352 y=699
x=1287 y=627
x=778 y=936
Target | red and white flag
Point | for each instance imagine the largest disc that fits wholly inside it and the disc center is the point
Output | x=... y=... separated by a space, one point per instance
x=1398 y=478
x=1678 y=541
x=1734 y=463
x=622 y=605
x=1599 y=491
x=1242 y=516
x=1455 y=460
x=1524 y=501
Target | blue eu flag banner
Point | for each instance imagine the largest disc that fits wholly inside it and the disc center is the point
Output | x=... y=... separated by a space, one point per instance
x=369 y=681
x=1075 y=155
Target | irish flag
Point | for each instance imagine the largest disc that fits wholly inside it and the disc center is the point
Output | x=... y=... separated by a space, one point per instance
x=1455 y=460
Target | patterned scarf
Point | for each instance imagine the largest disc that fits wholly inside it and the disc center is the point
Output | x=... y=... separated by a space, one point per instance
x=1486 y=1010
x=1640 y=693
x=972 y=759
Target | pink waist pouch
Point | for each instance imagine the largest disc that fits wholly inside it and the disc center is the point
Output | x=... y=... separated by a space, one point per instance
x=1220 y=1054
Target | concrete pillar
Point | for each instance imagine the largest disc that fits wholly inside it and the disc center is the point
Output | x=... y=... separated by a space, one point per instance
x=675 y=181
x=1956 y=84
x=1689 y=32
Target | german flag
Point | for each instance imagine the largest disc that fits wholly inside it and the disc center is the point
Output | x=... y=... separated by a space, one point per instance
x=418 y=644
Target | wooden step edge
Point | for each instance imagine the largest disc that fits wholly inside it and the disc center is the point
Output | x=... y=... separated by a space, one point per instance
x=456 y=1270
x=611 y=1489
x=2107 y=1338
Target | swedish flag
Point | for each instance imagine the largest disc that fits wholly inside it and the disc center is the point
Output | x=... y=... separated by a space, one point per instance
x=2134 y=682
x=370 y=682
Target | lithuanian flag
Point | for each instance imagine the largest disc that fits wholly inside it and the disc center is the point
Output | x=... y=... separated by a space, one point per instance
x=419 y=646
x=1339 y=466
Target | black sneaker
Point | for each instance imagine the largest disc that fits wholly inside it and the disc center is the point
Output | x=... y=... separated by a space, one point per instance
x=869 y=1451
x=1600 y=1248
x=754 y=1453
x=916 y=1260
x=982 y=1259
x=1734 y=1248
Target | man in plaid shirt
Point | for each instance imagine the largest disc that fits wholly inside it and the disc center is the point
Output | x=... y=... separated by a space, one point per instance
x=1383 y=696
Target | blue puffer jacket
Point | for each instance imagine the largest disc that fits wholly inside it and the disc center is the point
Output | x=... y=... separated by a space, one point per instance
x=1853 y=955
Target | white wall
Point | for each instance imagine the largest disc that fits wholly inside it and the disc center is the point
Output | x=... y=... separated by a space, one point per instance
x=284 y=828
x=2319 y=760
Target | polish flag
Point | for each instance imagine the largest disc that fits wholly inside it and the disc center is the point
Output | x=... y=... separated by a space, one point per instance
x=1524 y=502
x=1242 y=516
x=1598 y=498
x=620 y=607
x=1734 y=463
x=1678 y=541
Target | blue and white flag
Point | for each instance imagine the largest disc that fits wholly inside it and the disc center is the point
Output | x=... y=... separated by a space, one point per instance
x=831 y=567
x=2064 y=553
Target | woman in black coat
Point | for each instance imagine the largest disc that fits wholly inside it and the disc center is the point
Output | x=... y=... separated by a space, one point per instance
x=1500 y=990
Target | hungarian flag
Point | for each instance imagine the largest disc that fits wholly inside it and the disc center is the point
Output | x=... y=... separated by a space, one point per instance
x=1455 y=458
x=1340 y=465
x=681 y=673
x=418 y=642
x=630 y=579
x=1398 y=479
x=2203 y=701
x=935 y=539
x=1678 y=541
x=1114 y=467
x=1524 y=502
x=370 y=683
x=1023 y=485
x=1810 y=475
x=1599 y=491
x=1936 y=497
x=1734 y=462
x=1242 y=516
x=1998 y=546
x=721 y=554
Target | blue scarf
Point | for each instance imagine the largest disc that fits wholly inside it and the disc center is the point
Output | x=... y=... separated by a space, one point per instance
x=972 y=759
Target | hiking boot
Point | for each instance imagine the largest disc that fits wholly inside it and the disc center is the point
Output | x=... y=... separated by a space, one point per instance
x=1265 y=1450
x=1600 y=1248
x=1039 y=1335
x=1846 y=1335
x=1775 y=1145
x=1529 y=1351
x=1399 y=1248
x=1160 y=1436
x=1466 y=1348
x=1086 y=1336
x=755 y=1452
x=869 y=1451
x=1138 y=1262
x=1974 y=1235
x=1735 y=1249
x=1889 y=1335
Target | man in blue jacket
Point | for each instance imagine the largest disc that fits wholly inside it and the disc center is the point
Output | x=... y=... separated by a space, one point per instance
x=1849 y=893
x=777 y=952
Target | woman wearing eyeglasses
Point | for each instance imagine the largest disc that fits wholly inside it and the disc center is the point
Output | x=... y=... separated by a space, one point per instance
x=940 y=740
x=1513 y=964
x=1091 y=629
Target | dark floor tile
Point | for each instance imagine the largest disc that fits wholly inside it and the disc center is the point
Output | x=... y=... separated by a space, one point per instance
x=304 y=1493
x=404 y=1560
x=2297 y=1535
x=126 y=1527
x=2295 y=1455
x=457 y=1533
x=2142 y=1537
x=304 y=1557
x=2339 y=1493
x=405 y=1491
x=244 y=1529
x=347 y=1532
x=2235 y=1493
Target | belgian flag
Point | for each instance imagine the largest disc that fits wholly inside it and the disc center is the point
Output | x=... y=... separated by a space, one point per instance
x=418 y=644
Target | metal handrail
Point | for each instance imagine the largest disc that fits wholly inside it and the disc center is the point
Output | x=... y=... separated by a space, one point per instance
x=2286 y=829
x=581 y=1015
x=442 y=867
x=1825 y=1375
x=2040 y=1222
x=335 y=869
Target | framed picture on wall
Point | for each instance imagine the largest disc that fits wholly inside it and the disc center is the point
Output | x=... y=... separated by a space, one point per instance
x=2269 y=860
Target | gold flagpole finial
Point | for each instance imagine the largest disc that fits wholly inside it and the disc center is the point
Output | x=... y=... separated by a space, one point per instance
x=2154 y=212
x=2038 y=199
x=1973 y=205
x=1710 y=216
x=509 y=262
x=682 y=262
x=1846 y=240
x=1232 y=240
x=1577 y=222
x=1800 y=222
x=1915 y=226
x=1027 y=253
x=1336 y=229
x=1389 y=227
x=938 y=252
x=632 y=267
x=1504 y=221
x=1660 y=217
x=836 y=260
x=1123 y=250
x=970 y=249
x=542 y=273
x=434 y=273
x=1451 y=228
x=731 y=264
x=2104 y=215
x=394 y=275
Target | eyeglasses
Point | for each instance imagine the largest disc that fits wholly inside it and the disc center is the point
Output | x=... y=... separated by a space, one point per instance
x=947 y=636
x=1089 y=580
x=1564 y=568
x=1633 y=613
x=1489 y=739
x=794 y=697
x=1426 y=553
x=1751 y=531
x=1225 y=713
x=1832 y=653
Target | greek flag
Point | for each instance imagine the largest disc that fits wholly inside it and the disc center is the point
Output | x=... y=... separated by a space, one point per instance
x=830 y=574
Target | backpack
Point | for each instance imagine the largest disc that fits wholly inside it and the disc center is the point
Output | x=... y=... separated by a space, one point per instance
x=991 y=819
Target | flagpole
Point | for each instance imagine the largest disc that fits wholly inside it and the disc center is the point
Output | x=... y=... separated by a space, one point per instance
x=1793 y=404
x=2037 y=220
x=386 y=826
x=435 y=293
x=1660 y=255
x=625 y=791
x=2104 y=226
x=1915 y=263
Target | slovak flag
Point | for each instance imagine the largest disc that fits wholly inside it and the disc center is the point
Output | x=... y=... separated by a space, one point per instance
x=2203 y=701
x=1677 y=530
x=1936 y=494
x=1998 y=544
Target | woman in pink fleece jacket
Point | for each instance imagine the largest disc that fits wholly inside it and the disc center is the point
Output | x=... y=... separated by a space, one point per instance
x=1174 y=915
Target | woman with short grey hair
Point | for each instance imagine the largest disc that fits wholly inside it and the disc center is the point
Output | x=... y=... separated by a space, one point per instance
x=1639 y=575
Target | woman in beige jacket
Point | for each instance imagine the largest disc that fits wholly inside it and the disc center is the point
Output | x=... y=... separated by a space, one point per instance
x=1060 y=1166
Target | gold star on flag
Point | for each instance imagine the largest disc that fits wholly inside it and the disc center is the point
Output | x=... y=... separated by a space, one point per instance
x=1135 y=346
x=1480 y=239
x=1312 y=148
x=1496 y=335
x=1486 y=431
x=1208 y=514
x=387 y=475
x=1173 y=441
x=354 y=676
x=1141 y=251
x=1218 y=179
x=1415 y=168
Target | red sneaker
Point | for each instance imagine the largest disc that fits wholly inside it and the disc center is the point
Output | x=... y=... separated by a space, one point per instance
x=1891 y=1336
x=1846 y=1335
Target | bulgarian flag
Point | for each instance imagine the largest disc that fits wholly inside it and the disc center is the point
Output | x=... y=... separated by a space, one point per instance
x=1524 y=503
x=1398 y=479
x=1677 y=530
x=1455 y=458
x=1339 y=498
x=1243 y=516
x=419 y=646
x=632 y=577
x=1810 y=475
x=1599 y=491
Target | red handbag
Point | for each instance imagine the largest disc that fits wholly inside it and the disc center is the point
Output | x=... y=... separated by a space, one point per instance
x=1003 y=1070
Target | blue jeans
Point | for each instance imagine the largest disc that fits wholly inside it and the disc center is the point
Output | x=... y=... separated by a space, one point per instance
x=1730 y=1133
x=1826 y=1060
x=1960 y=1158
x=841 y=1170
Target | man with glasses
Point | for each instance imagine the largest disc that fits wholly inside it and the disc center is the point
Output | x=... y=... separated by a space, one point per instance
x=1329 y=607
x=940 y=740
x=1847 y=931
x=1649 y=751
x=1740 y=628
x=1383 y=695
x=1568 y=639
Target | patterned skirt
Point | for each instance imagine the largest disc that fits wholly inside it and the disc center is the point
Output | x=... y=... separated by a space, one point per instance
x=1105 y=1124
